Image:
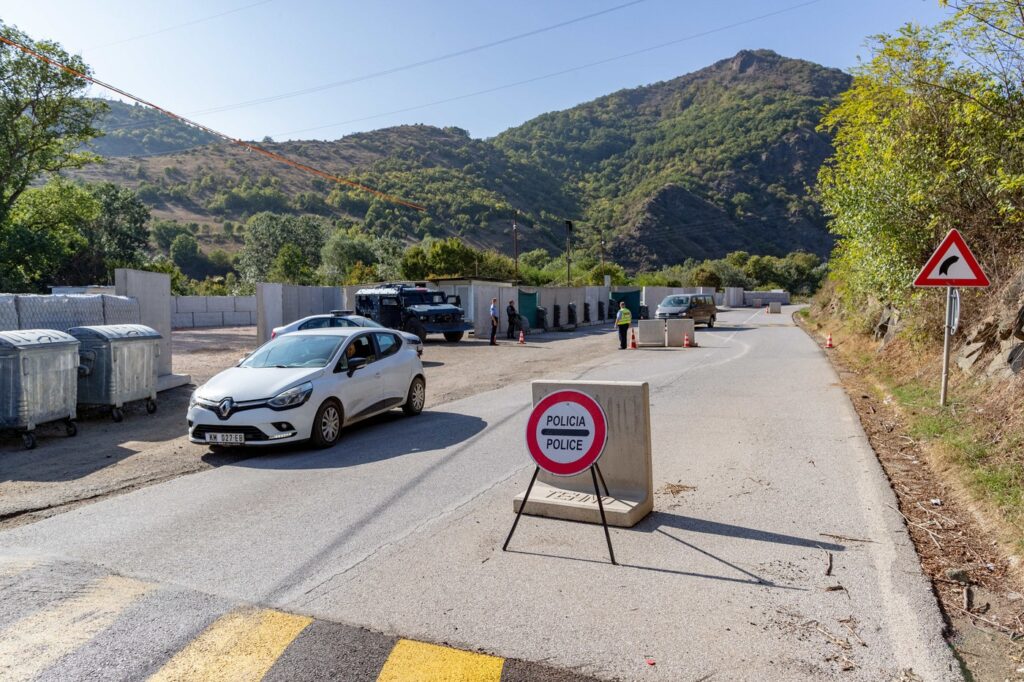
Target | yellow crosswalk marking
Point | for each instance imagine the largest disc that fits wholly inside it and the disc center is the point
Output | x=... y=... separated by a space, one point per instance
x=240 y=646
x=419 y=662
x=34 y=643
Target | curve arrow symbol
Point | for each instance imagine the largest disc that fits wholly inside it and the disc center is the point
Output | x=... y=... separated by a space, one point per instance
x=946 y=264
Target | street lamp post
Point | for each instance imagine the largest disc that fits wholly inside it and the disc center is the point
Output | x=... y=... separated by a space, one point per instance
x=515 y=244
x=568 y=267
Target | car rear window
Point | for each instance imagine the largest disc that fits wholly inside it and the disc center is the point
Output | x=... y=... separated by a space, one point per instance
x=295 y=350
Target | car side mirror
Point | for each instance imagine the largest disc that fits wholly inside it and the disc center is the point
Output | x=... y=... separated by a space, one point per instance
x=354 y=364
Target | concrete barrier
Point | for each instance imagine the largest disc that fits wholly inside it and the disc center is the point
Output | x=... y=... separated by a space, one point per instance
x=760 y=298
x=153 y=292
x=212 y=311
x=676 y=328
x=650 y=333
x=280 y=304
x=775 y=307
x=625 y=464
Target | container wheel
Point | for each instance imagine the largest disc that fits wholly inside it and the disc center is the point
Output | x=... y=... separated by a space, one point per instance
x=117 y=415
x=29 y=440
x=150 y=405
x=70 y=428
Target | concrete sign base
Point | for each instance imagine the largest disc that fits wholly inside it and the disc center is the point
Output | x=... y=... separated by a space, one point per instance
x=774 y=307
x=625 y=464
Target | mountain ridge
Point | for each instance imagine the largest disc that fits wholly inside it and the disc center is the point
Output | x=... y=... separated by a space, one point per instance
x=714 y=160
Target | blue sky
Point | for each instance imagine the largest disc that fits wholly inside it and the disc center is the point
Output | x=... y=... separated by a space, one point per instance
x=190 y=60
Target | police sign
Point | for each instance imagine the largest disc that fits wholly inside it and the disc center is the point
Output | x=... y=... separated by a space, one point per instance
x=566 y=433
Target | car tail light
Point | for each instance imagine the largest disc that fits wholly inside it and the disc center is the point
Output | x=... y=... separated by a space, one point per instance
x=273 y=335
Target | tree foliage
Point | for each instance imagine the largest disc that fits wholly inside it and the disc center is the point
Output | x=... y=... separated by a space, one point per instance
x=928 y=139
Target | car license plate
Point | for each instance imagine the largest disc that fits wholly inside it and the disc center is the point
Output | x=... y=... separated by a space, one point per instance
x=226 y=438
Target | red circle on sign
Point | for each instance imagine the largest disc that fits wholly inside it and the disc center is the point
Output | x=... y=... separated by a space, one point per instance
x=586 y=459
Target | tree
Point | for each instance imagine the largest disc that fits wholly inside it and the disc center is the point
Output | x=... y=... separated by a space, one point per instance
x=267 y=233
x=617 y=273
x=341 y=252
x=451 y=258
x=44 y=115
x=185 y=252
x=115 y=238
x=538 y=258
x=704 y=276
x=290 y=267
x=42 y=232
x=164 y=232
x=415 y=264
x=360 y=273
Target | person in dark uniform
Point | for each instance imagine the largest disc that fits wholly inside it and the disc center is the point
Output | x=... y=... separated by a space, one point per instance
x=513 y=319
x=623 y=320
x=494 y=321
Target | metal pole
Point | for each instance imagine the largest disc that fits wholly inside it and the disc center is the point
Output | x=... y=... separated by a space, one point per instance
x=604 y=521
x=602 y=255
x=945 y=346
x=568 y=267
x=515 y=246
x=522 y=506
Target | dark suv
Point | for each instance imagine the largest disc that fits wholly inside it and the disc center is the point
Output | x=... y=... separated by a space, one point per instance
x=414 y=309
x=697 y=307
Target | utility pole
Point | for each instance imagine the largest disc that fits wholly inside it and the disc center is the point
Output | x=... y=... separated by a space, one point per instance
x=568 y=245
x=602 y=254
x=515 y=243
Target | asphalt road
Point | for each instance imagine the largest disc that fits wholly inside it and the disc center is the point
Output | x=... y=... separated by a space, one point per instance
x=764 y=478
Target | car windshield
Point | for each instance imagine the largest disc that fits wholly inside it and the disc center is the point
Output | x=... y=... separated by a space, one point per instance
x=676 y=301
x=361 y=321
x=295 y=350
x=424 y=297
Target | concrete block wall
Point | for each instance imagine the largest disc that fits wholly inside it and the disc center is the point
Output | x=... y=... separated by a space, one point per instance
x=279 y=304
x=188 y=312
x=765 y=297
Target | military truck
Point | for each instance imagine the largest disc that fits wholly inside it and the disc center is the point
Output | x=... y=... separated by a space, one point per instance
x=414 y=309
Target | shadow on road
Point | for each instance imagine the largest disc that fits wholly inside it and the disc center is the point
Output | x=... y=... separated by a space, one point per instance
x=373 y=440
x=656 y=521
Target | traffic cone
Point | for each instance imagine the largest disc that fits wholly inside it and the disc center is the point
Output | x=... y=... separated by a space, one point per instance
x=828 y=341
x=632 y=343
x=686 y=340
x=522 y=338
x=767 y=308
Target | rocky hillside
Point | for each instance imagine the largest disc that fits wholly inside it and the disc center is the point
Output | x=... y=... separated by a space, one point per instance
x=695 y=167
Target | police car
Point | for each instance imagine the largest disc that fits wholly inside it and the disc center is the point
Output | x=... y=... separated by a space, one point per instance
x=341 y=319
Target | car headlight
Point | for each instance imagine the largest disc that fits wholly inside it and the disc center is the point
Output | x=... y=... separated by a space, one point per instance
x=293 y=397
x=192 y=399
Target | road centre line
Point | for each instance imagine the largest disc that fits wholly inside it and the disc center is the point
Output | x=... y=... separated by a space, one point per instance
x=411 y=660
x=34 y=643
x=241 y=645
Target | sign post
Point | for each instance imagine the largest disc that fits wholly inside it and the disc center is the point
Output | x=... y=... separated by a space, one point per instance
x=566 y=434
x=951 y=265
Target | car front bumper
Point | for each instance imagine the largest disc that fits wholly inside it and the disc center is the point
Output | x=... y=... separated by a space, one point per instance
x=258 y=427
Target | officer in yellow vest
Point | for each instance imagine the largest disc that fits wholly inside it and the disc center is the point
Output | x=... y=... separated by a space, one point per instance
x=623 y=320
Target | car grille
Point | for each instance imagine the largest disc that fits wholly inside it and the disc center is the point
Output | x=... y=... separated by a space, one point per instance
x=250 y=432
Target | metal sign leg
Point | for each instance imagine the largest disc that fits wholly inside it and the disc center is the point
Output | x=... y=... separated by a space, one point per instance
x=519 y=513
x=603 y=484
x=945 y=346
x=604 y=521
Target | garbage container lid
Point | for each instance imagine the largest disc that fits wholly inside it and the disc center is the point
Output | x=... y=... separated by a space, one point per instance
x=34 y=338
x=115 y=331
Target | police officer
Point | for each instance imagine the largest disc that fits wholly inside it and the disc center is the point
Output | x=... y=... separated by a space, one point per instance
x=623 y=320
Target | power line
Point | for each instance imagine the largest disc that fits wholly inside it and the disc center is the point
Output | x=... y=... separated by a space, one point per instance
x=251 y=147
x=413 y=65
x=177 y=26
x=562 y=72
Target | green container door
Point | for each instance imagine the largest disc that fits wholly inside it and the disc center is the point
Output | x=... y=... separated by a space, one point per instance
x=528 y=307
x=632 y=299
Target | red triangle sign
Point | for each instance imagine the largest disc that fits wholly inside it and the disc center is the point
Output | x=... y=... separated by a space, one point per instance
x=952 y=265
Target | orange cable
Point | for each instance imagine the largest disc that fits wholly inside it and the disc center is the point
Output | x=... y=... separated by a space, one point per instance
x=211 y=131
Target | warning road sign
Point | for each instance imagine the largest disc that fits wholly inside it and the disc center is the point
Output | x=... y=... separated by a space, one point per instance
x=566 y=433
x=952 y=265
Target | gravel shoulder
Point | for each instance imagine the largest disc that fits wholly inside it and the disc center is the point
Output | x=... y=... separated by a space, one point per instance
x=107 y=458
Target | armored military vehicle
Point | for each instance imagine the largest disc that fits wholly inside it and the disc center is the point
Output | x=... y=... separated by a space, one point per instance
x=414 y=309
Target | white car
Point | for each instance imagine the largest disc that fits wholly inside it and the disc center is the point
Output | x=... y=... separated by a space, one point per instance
x=308 y=385
x=340 y=318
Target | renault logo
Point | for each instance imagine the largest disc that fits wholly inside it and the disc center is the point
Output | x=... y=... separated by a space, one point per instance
x=225 y=408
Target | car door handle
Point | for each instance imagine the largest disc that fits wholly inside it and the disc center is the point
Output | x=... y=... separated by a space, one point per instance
x=377 y=375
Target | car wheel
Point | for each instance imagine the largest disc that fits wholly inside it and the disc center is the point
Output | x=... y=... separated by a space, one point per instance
x=327 y=425
x=711 y=322
x=417 y=397
x=453 y=337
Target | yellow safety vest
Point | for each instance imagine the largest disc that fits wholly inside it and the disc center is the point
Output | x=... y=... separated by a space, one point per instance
x=627 y=317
